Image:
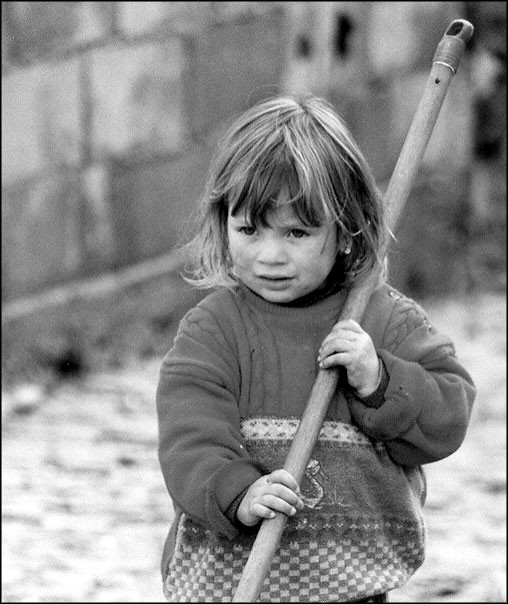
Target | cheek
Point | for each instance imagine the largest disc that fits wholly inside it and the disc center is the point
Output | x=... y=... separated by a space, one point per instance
x=318 y=261
x=239 y=253
x=323 y=250
x=329 y=251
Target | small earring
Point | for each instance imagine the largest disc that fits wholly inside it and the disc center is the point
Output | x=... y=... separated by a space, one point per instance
x=347 y=250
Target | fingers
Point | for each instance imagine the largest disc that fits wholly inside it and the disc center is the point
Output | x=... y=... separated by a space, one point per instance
x=279 y=491
x=335 y=353
x=283 y=477
x=349 y=346
x=275 y=492
x=344 y=335
x=346 y=344
x=338 y=341
x=347 y=325
x=269 y=504
x=336 y=350
x=281 y=494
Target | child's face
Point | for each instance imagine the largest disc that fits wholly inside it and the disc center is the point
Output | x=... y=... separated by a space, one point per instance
x=285 y=260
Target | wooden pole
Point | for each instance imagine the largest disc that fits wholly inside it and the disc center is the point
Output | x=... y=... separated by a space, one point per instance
x=444 y=65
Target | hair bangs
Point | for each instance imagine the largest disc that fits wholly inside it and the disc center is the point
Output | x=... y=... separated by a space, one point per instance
x=277 y=180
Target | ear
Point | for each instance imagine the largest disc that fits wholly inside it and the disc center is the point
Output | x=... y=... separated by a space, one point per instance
x=344 y=247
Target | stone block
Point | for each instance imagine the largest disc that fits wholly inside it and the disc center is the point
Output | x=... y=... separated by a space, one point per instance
x=164 y=17
x=429 y=256
x=489 y=20
x=369 y=115
x=234 y=10
x=40 y=28
x=153 y=204
x=98 y=250
x=390 y=43
x=137 y=100
x=4 y=41
x=41 y=125
x=305 y=47
x=402 y=36
x=233 y=66
x=326 y=47
x=41 y=233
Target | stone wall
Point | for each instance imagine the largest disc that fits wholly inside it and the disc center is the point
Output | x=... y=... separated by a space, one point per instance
x=109 y=115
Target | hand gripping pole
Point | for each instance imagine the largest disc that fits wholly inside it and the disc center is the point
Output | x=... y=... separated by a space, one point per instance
x=445 y=63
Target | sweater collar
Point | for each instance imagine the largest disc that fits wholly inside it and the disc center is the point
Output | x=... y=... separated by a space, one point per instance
x=319 y=304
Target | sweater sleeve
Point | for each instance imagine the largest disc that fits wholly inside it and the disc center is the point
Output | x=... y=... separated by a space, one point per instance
x=425 y=411
x=201 y=450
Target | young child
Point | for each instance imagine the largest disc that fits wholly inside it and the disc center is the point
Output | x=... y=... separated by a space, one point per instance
x=291 y=218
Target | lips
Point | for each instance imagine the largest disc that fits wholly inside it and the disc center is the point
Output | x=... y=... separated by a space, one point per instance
x=275 y=283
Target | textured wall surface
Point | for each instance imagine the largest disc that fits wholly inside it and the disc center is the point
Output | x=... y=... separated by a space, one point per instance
x=108 y=117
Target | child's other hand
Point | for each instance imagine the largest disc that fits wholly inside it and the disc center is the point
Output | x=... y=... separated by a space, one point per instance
x=275 y=492
x=350 y=346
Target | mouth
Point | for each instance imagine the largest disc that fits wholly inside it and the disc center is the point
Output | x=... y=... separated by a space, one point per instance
x=275 y=281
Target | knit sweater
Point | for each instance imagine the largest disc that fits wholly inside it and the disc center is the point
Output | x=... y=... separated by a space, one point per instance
x=230 y=394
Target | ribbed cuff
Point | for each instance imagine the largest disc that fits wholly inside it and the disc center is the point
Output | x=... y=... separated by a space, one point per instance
x=377 y=398
x=231 y=511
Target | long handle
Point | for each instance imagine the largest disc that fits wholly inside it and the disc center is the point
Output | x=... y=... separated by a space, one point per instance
x=444 y=65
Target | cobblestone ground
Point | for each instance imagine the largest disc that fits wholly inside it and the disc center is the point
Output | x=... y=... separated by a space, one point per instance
x=85 y=511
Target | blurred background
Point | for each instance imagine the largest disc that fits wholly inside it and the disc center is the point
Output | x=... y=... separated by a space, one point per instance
x=111 y=112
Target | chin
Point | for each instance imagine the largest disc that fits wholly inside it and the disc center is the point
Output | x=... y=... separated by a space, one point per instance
x=275 y=299
x=279 y=297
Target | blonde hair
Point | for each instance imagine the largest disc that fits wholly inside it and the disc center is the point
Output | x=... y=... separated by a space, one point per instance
x=300 y=144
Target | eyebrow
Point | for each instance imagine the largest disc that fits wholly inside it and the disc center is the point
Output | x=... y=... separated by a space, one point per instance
x=293 y=225
x=296 y=224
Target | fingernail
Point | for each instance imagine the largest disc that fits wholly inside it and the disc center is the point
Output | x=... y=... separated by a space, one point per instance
x=292 y=511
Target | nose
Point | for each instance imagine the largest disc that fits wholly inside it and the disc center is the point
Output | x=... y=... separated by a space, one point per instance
x=272 y=250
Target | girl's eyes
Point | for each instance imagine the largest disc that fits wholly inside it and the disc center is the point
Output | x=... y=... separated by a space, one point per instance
x=298 y=233
x=294 y=233
x=247 y=230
